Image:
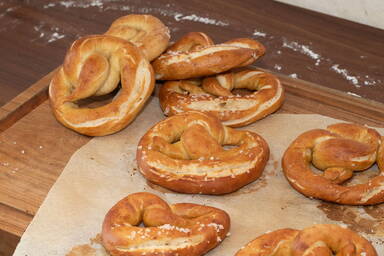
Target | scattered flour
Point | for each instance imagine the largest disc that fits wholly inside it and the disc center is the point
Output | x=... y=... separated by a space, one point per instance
x=55 y=36
x=305 y=49
x=277 y=67
x=258 y=33
x=196 y=18
x=344 y=72
x=8 y=10
x=50 y=35
x=356 y=80
x=121 y=6
x=47 y=34
x=77 y=4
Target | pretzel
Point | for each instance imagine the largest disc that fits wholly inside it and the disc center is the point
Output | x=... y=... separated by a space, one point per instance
x=93 y=66
x=181 y=229
x=317 y=240
x=338 y=151
x=146 y=32
x=214 y=95
x=195 y=55
x=186 y=153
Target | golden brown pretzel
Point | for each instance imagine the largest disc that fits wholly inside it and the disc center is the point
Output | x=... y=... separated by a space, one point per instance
x=194 y=55
x=179 y=229
x=317 y=240
x=146 y=32
x=94 y=65
x=339 y=151
x=185 y=153
x=214 y=95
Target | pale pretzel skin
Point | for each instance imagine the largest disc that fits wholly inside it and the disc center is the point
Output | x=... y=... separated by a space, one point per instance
x=93 y=66
x=185 y=153
x=181 y=229
x=317 y=240
x=195 y=55
x=146 y=32
x=339 y=151
x=214 y=95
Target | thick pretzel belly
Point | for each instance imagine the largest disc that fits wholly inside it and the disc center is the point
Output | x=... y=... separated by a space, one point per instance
x=186 y=153
x=317 y=240
x=195 y=55
x=94 y=66
x=146 y=32
x=214 y=95
x=180 y=229
x=338 y=151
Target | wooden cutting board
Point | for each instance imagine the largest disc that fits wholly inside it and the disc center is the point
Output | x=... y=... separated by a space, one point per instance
x=34 y=147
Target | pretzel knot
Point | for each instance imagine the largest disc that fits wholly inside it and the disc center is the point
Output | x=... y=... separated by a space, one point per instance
x=193 y=152
x=339 y=151
x=317 y=240
x=215 y=95
x=195 y=55
x=94 y=66
x=182 y=229
x=146 y=32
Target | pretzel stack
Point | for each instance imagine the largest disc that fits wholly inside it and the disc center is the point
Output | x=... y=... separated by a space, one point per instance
x=210 y=86
x=206 y=90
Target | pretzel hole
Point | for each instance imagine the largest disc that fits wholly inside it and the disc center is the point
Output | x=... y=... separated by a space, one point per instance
x=242 y=92
x=362 y=177
x=98 y=101
x=230 y=147
x=358 y=177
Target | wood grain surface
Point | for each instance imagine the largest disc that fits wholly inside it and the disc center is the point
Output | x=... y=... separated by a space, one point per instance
x=329 y=53
x=35 y=148
x=314 y=47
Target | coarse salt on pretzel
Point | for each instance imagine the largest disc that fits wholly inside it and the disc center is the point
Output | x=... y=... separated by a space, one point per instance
x=181 y=229
x=186 y=153
x=338 y=151
x=146 y=32
x=194 y=55
x=317 y=240
x=93 y=66
x=214 y=95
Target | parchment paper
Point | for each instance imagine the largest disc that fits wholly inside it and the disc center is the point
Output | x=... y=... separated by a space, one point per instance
x=104 y=170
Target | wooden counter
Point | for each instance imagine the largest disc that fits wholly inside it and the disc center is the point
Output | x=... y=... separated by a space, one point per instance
x=314 y=47
x=328 y=55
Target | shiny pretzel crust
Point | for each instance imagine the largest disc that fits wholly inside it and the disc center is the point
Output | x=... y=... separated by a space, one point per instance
x=93 y=66
x=182 y=229
x=146 y=32
x=209 y=169
x=317 y=240
x=339 y=150
x=215 y=97
x=201 y=58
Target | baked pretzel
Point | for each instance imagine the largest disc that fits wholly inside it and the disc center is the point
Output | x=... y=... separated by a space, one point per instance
x=182 y=229
x=317 y=240
x=186 y=153
x=195 y=55
x=214 y=95
x=93 y=66
x=338 y=151
x=146 y=32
